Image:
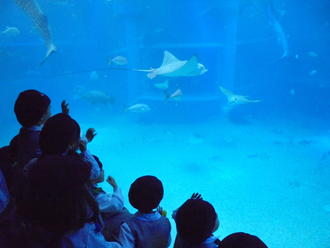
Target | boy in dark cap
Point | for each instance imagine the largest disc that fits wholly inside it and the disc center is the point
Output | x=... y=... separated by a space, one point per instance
x=242 y=240
x=32 y=109
x=147 y=228
x=196 y=220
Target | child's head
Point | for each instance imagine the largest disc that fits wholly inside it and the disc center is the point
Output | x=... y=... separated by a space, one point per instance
x=196 y=220
x=32 y=108
x=242 y=240
x=146 y=193
x=59 y=135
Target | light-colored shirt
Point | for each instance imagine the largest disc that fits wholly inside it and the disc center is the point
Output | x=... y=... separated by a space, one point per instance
x=87 y=237
x=110 y=203
x=126 y=235
x=95 y=168
x=4 y=195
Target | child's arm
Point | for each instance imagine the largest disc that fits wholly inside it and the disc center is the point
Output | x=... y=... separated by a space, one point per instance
x=87 y=156
x=126 y=237
x=111 y=203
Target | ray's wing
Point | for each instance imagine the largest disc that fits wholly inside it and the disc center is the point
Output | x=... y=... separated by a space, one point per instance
x=190 y=66
x=226 y=92
x=169 y=58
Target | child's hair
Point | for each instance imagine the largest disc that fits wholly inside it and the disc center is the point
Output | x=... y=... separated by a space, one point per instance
x=30 y=107
x=195 y=221
x=59 y=201
x=146 y=193
x=59 y=132
x=242 y=240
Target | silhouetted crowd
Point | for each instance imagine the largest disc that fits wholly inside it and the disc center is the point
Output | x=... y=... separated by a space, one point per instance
x=50 y=197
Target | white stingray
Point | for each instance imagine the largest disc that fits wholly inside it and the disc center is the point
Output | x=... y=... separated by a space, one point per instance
x=234 y=99
x=173 y=67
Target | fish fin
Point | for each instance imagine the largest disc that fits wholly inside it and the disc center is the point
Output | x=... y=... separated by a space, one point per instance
x=50 y=51
x=169 y=58
x=192 y=63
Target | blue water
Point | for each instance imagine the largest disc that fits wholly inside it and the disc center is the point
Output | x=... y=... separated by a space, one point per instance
x=264 y=166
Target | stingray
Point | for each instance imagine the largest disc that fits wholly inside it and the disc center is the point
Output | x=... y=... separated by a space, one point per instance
x=234 y=99
x=173 y=67
x=32 y=9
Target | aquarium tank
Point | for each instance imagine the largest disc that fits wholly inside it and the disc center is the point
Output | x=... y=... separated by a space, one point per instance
x=226 y=98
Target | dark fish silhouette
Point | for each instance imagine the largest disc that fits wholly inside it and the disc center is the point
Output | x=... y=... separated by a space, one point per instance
x=32 y=9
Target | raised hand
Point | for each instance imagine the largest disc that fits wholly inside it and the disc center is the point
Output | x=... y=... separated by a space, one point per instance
x=196 y=196
x=161 y=211
x=65 y=107
x=112 y=182
x=90 y=134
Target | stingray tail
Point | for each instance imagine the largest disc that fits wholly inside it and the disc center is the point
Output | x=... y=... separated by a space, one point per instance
x=151 y=73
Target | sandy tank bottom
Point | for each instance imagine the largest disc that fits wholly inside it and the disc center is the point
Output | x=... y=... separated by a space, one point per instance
x=269 y=178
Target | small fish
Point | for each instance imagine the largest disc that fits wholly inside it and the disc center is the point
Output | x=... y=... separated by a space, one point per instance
x=94 y=76
x=119 y=60
x=162 y=86
x=312 y=54
x=234 y=99
x=176 y=95
x=11 y=32
x=139 y=108
x=312 y=73
x=173 y=67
